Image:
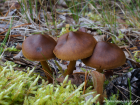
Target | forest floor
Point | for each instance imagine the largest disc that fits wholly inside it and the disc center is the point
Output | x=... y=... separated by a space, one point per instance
x=110 y=21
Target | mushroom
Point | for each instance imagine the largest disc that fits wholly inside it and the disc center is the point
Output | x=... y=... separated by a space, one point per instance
x=39 y=48
x=73 y=46
x=105 y=56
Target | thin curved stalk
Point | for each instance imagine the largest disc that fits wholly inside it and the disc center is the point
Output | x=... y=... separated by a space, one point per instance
x=47 y=71
x=71 y=68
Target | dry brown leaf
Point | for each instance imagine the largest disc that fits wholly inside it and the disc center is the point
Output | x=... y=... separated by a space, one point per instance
x=98 y=81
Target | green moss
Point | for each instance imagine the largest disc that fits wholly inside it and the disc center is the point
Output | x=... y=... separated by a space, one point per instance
x=20 y=88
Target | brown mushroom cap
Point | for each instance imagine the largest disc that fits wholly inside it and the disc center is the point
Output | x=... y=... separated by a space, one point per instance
x=74 y=46
x=38 y=47
x=105 y=56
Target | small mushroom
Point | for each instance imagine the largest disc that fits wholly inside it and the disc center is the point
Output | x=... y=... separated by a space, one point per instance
x=105 y=56
x=39 y=48
x=73 y=46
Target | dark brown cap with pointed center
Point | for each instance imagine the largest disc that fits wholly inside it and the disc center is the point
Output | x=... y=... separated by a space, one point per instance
x=38 y=47
x=106 y=56
x=74 y=46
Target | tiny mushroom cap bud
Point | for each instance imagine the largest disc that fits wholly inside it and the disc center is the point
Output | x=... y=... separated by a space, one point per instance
x=105 y=56
x=39 y=48
x=73 y=46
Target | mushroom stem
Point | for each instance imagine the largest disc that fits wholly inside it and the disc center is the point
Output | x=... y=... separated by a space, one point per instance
x=47 y=70
x=99 y=70
x=70 y=68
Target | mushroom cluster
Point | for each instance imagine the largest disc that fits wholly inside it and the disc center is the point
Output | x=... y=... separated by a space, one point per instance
x=73 y=46
x=81 y=45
